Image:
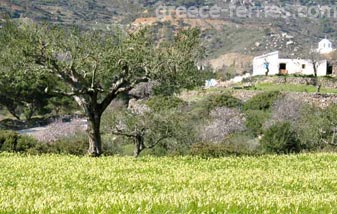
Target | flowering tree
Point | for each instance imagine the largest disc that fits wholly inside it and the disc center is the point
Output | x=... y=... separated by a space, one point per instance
x=224 y=121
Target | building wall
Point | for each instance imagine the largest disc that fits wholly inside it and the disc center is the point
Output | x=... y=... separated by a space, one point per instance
x=293 y=66
x=271 y=58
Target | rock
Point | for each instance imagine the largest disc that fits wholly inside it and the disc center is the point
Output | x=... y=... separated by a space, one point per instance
x=290 y=43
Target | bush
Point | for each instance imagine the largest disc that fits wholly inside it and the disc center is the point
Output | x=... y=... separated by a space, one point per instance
x=164 y=103
x=263 y=101
x=223 y=100
x=237 y=144
x=280 y=139
x=25 y=143
x=77 y=145
x=11 y=141
x=255 y=120
x=243 y=144
x=8 y=141
x=315 y=128
x=210 y=150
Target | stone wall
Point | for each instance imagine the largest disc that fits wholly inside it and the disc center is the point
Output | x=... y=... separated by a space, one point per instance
x=325 y=82
x=319 y=100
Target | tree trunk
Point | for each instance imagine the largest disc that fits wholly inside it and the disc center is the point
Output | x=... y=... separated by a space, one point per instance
x=95 y=141
x=139 y=145
x=30 y=113
x=316 y=83
x=12 y=111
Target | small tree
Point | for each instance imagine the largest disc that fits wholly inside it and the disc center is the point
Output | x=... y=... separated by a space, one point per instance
x=281 y=139
x=315 y=59
x=146 y=130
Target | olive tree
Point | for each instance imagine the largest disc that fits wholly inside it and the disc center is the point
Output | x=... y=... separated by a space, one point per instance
x=21 y=91
x=98 y=67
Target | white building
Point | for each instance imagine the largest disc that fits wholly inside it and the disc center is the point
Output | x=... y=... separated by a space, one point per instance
x=276 y=65
x=325 y=46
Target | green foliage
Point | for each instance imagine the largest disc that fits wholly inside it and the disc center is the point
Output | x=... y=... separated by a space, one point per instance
x=11 y=141
x=77 y=145
x=255 y=120
x=98 y=67
x=235 y=144
x=25 y=144
x=263 y=101
x=281 y=139
x=162 y=132
x=223 y=100
x=243 y=144
x=8 y=140
x=178 y=61
x=200 y=109
x=316 y=128
x=210 y=150
x=165 y=103
x=23 y=88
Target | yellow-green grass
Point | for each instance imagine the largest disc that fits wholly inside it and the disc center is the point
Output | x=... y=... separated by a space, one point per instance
x=305 y=183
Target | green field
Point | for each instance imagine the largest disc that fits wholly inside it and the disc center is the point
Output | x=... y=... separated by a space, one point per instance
x=269 y=184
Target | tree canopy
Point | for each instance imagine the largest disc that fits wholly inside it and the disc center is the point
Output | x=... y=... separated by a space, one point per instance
x=96 y=67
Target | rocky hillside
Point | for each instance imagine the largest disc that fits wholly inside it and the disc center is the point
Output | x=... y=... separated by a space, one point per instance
x=224 y=36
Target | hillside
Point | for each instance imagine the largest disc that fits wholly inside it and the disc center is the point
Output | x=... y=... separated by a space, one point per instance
x=250 y=36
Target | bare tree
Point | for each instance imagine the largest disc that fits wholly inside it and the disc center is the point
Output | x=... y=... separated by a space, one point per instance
x=315 y=59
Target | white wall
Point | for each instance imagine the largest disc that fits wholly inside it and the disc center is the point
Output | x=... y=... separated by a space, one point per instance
x=293 y=66
x=271 y=58
x=322 y=68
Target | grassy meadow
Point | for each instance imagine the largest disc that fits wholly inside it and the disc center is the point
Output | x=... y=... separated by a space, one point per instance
x=303 y=183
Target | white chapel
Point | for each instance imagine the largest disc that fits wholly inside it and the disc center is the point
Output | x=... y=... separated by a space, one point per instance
x=325 y=46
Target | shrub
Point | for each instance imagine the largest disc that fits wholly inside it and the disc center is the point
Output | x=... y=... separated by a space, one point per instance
x=263 y=101
x=210 y=150
x=223 y=100
x=77 y=145
x=280 y=139
x=8 y=141
x=255 y=120
x=316 y=127
x=164 y=103
x=11 y=141
x=25 y=143
x=111 y=146
x=243 y=144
